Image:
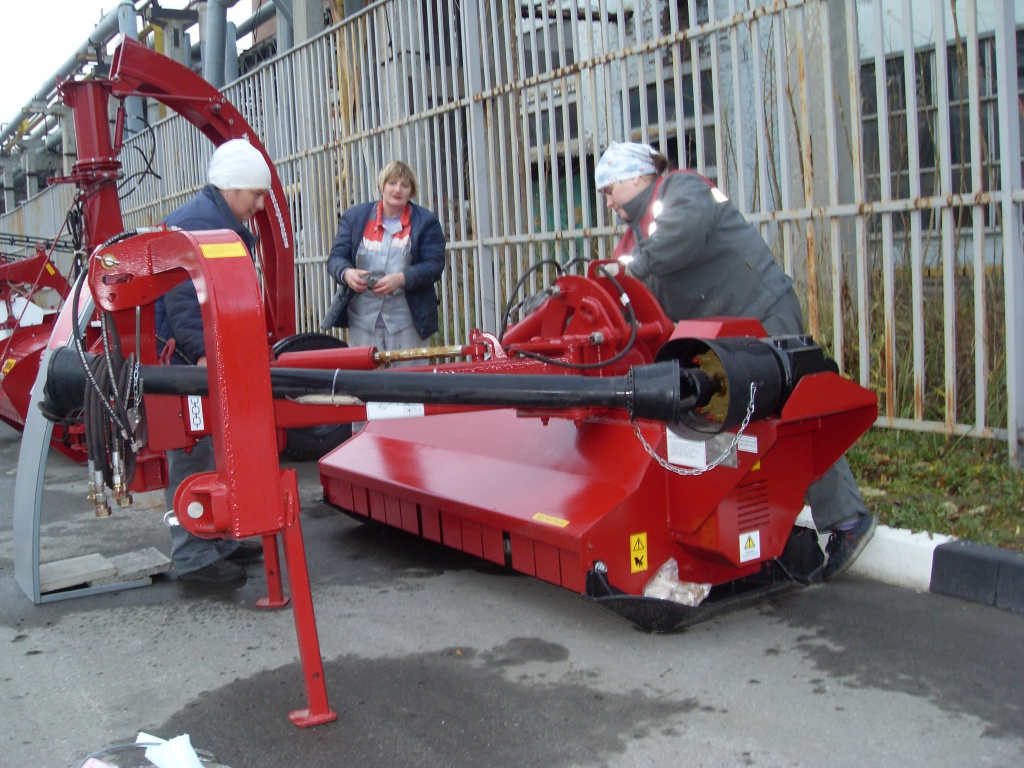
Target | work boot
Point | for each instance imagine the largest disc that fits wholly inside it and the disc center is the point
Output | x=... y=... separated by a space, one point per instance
x=845 y=546
x=248 y=552
x=217 y=572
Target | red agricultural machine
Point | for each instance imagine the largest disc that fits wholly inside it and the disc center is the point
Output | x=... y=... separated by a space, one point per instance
x=22 y=280
x=655 y=468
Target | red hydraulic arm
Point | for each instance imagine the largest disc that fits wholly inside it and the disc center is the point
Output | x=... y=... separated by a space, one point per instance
x=138 y=71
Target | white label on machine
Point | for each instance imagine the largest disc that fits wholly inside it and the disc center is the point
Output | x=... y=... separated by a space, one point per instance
x=699 y=454
x=686 y=453
x=750 y=546
x=379 y=411
x=195 y=413
x=747 y=444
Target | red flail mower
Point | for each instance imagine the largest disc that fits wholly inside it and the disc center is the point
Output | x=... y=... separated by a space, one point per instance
x=656 y=468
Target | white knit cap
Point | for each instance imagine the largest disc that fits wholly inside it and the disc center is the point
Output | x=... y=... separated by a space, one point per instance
x=237 y=164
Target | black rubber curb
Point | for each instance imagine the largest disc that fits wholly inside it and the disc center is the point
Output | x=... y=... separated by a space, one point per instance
x=979 y=573
x=930 y=562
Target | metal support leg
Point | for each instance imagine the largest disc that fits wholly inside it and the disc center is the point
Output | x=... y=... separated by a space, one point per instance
x=318 y=711
x=272 y=564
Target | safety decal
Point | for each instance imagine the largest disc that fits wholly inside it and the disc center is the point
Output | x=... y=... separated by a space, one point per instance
x=637 y=552
x=540 y=517
x=50 y=269
x=223 y=250
x=750 y=546
x=8 y=364
x=195 y=413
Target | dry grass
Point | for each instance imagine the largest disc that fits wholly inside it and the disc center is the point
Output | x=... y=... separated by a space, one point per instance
x=963 y=487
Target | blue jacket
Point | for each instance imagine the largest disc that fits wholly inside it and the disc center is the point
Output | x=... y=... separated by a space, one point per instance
x=177 y=312
x=428 y=244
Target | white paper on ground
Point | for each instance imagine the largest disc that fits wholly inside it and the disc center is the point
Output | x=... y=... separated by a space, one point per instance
x=175 y=753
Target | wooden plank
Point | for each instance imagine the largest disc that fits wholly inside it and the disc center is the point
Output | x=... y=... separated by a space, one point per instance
x=62 y=574
x=133 y=566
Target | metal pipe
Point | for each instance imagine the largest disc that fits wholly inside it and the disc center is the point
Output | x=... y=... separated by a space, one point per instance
x=230 y=53
x=661 y=391
x=213 y=41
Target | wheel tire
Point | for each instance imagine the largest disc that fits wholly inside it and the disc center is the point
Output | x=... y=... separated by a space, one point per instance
x=309 y=443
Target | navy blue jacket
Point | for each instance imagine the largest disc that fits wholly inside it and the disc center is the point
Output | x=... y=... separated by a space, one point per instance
x=428 y=244
x=177 y=312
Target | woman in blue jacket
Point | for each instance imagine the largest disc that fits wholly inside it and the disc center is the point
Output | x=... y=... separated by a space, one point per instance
x=386 y=257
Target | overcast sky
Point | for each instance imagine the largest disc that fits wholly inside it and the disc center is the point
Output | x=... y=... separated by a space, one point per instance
x=40 y=35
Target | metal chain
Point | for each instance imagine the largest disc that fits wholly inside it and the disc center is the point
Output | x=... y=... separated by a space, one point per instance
x=722 y=457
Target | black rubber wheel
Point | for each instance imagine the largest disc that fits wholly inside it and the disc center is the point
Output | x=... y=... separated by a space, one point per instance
x=309 y=443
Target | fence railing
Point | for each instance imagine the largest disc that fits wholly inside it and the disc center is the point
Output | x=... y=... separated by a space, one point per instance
x=876 y=146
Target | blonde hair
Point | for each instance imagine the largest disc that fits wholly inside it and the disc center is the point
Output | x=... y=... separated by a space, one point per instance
x=397 y=171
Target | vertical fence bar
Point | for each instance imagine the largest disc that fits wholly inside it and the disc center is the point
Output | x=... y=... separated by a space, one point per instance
x=500 y=146
x=946 y=236
x=981 y=354
x=782 y=118
x=885 y=194
x=739 y=194
x=763 y=160
x=914 y=169
x=832 y=178
x=481 y=199
x=1010 y=213
x=698 y=99
x=807 y=163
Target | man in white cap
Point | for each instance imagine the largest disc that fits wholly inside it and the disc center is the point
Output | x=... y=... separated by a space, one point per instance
x=239 y=179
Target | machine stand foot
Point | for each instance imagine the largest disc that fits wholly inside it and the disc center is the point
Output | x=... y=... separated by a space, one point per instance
x=303 y=719
x=267 y=602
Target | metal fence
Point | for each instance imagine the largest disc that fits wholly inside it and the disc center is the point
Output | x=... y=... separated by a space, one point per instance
x=876 y=145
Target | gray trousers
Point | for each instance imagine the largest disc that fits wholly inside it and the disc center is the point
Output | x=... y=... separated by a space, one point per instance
x=407 y=338
x=190 y=553
x=835 y=498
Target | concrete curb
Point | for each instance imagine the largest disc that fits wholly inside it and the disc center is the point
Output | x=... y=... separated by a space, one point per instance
x=932 y=562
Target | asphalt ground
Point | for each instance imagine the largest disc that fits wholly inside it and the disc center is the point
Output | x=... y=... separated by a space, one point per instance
x=434 y=658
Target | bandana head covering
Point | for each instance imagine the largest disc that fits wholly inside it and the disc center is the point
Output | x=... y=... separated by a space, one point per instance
x=237 y=164
x=621 y=162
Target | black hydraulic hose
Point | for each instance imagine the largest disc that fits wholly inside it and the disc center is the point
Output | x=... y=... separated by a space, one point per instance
x=510 y=308
x=600 y=363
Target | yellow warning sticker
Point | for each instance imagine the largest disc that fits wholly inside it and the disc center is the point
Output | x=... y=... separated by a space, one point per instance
x=750 y=546
x=540 y=517
x=223 y=250
x=637 y=552
x=8 y=364
x=50 y=269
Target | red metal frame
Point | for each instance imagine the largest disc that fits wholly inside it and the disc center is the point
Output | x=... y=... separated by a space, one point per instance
x=247 y=494
x=134 y=276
